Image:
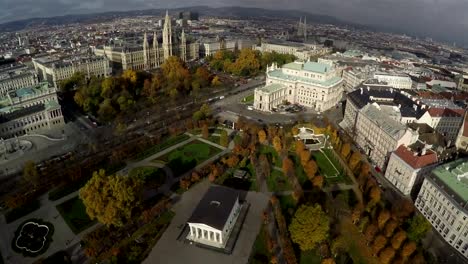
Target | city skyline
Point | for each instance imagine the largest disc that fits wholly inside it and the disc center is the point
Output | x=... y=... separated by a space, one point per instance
x=415 y=17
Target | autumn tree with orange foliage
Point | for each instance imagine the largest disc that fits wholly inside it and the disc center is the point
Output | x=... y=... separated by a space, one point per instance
x=317 y=181
x=398 y=239
x=386 y=255
x=356 y=214
x=408 y=249
x=390 y=227
x=370 y=232
x=383 y=217
x=288 y=167
x=262 y=136
x=277 y=144
x=311 y=169
x=354 y=160
x=379 y=243
x=305 y=157
x=345 y=150
x=328 y=261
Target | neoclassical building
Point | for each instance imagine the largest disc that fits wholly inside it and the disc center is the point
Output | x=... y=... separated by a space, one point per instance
x=54 y=69
x=152 y=52
x=215 y=216
x=310 y=84
x=14 y=77
x=27 y=110
x=443 y=200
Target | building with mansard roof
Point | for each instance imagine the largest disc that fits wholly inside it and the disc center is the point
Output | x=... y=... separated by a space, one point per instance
x=153 y=51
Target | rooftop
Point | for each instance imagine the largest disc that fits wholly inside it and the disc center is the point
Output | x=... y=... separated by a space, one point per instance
x=278 y=73
x=453 y=179
x=392 y=127
x=308 y=66
x=271 y=88
x=215 y=207
x=414 y=159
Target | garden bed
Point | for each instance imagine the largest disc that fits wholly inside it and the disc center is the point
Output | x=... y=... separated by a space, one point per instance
x=21 y=211
x=74 y=213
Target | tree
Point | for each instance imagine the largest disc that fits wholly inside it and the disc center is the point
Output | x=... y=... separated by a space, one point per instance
x=345 y=150
x=408 y=249
x=300 y=147
x=277 y=144
x=288 y=166
x=317 y=181
x=370 y=232
x=328 y=261
x=398 y=239
x=386 y=255
x=356 y=214
x=390 y=227
x=111 y=199
x=106 y=110
x=203 y=75
x=379 y=243
x=309 y=226
x=402 y=208
x=130 y=75
x=295 y=131
x=205 y=132
x=374 y=195
x=354 y=160
x=223 y=138
x=216 y=82
x=418 y=227
x=383 y=218
x=311 y=169
x=262 y=137
x=30 y=173
x=305 y=157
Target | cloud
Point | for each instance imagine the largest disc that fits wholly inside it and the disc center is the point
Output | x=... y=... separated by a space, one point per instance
x=443 y=19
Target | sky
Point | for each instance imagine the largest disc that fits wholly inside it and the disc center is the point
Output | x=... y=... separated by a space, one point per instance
x=440 y=19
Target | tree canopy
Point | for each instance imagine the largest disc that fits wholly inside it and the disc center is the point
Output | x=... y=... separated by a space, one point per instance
x=418 y=227
x=111 y=199
x=309 y=226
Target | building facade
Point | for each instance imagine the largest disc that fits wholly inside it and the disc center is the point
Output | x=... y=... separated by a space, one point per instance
x=462 y=138
x=310 y=84
x=55 y=70
x=215 y=216
x=443 y=202
x=28 y=110
x=445 y=121
x=407 y=167
x=151 y=53
x=395 y=80
x=302 y=51
x=15 y=77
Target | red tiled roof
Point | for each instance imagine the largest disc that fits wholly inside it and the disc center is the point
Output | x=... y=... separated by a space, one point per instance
x=445 y=112
x=416 y=162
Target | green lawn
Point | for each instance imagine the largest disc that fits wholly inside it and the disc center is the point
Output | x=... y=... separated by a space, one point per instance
x=260 y=252
x=271 y=154
x=309 y=257
x=188 y=156
x=153 y=177
x=73 y=212
x=277 y=182
x=214 y=139
x=162 y=146
x=248 y=99
x=326 y=167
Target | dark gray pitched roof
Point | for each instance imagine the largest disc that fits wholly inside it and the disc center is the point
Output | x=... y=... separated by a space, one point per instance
x=364 y=95
x=215 y=207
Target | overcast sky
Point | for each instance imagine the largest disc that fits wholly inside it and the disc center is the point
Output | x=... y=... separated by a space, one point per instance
x=442 y=19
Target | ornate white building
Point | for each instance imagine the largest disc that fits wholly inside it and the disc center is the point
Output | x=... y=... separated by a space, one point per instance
x=151 y=54
x=310 y=84
x=15 y=77
x=32 y=109
x=443 y=200
x=54 y=69
x=213 y=219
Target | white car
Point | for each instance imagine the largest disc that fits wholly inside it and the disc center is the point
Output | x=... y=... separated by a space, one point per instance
x=249 y=107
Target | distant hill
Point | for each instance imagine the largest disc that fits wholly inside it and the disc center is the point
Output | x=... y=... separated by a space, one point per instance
x=239 y=12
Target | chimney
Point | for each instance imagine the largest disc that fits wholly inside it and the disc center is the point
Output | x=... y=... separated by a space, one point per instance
x=361 y=91
x=415 y=107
